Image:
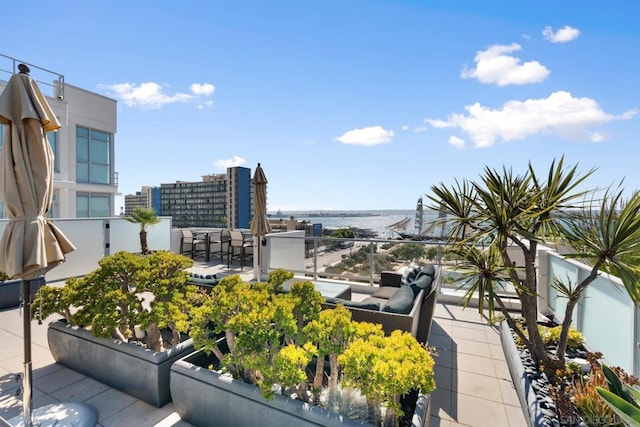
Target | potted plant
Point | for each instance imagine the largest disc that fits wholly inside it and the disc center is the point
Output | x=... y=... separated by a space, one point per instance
x=265 y=347
x=503 y=209
x=144 y=217
x=102 y=310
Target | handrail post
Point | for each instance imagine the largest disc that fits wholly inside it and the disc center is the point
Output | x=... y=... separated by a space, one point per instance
x=315 y=258
x=371 y=263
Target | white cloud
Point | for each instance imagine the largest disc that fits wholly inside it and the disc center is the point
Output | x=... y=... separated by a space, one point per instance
x=405 y=127
x=152 y=96
x=223 y=164
x=495 y=65
x=563 y=35
x=205 y=89
x=206 y=104
x=456 y=142
x=560 y=114
x=373 y=135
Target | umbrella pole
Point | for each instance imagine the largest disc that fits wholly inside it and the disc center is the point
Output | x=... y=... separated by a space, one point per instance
x=26 y=382
x=257 y=268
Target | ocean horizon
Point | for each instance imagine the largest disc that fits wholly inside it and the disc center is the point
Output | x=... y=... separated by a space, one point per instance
x=377 y=220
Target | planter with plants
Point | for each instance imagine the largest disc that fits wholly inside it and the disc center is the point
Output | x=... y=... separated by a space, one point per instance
x=584 y=394
x=504 y=209
x=274 y=359
x=11 y=290
x=102 y=311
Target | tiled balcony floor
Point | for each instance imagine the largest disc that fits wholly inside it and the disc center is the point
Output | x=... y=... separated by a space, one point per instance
x=473 y=383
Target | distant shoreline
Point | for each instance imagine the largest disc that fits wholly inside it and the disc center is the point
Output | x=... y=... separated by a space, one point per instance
x=337 y=214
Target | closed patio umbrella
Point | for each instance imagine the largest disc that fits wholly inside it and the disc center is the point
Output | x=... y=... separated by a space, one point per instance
x=31 y=245
x=260 y=223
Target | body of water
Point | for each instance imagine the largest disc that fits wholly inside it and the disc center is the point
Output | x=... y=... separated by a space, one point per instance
x=378 y=221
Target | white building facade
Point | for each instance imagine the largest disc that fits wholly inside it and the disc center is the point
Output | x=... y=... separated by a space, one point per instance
x=85 y=181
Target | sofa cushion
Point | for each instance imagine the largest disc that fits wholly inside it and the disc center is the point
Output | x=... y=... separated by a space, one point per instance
x=423 y=282
x=428 y=269
x=385 y=292
x=367 y=305
x=401 y=301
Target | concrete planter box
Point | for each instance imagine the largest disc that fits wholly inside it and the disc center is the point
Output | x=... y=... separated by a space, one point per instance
x=10 y=291
x=127 y=367
x=201 y=395
x=526 y=395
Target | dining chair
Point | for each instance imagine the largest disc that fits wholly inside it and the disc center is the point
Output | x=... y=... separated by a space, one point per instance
x=219 y=243
x=239 y=247
x=190 y=242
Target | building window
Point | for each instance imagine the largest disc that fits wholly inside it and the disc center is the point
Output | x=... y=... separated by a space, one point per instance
x=93 y=151
x=91 y=205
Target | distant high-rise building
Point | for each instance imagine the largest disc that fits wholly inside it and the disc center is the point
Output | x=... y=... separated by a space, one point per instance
x=219 y=200
x=239 y=197
x=142 y=199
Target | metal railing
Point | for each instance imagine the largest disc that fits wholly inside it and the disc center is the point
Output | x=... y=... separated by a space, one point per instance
x=51 y=79
x=351 y=259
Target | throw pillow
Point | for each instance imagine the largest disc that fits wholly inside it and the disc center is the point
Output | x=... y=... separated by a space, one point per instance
x=401 y=301
x=429 y=270
x=423 y=282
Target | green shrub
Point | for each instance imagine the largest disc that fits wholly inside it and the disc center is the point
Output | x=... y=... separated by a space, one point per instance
x=111 y=299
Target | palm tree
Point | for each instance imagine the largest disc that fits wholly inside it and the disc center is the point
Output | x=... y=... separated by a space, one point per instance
x=144 y=217
x=503 y=209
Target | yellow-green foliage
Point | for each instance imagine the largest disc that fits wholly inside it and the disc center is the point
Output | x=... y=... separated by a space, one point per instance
x=260 y=327
x=290 y=364
x=278 y=277
x=551 y=336
x=54 y=300
x=384 y=368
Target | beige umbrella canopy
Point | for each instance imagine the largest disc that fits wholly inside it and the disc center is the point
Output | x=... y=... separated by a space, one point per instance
x=260 y=223
x=31 y=245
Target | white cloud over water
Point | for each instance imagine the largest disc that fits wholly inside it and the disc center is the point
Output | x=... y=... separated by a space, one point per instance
x=373 y=135
x=495 y=65
x=560 y=114
x=153 y=96
x=563 y=35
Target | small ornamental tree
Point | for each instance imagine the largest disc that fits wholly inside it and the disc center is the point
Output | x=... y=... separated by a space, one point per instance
x=503 y=209
x=330 y=334
x=124 y=291
x=144 y=217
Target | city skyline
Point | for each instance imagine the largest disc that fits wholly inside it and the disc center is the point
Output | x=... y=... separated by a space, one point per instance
x=354 y=105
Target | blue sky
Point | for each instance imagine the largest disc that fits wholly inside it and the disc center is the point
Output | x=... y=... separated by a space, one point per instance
x=349 y=104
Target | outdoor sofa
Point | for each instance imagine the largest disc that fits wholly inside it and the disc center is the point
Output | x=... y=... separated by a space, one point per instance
x=402 y=301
